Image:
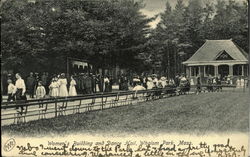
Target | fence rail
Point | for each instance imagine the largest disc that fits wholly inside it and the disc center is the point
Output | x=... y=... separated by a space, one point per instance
x=83 y=103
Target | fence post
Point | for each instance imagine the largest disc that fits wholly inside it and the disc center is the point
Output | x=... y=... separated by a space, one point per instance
x=102 y=101
x=56 y=108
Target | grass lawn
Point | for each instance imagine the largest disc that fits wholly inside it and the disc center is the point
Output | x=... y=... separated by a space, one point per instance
x=199 y=114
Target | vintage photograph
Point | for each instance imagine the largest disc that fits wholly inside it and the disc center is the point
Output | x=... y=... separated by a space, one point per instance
x=134 y=78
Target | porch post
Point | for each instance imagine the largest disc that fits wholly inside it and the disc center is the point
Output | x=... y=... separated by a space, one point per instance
x=190 y=71
x=204 y=70
x=242 y=70
x=215 y=70
x=231 y=70
x=199 y=70
x=187 y=71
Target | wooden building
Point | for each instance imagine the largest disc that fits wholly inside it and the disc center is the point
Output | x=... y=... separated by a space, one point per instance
x=218 y=57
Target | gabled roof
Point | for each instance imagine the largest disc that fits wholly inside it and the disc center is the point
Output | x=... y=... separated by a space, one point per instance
x=223 y=55
x=212 y=48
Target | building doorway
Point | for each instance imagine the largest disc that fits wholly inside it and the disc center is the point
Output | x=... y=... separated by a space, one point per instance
x=223 y=70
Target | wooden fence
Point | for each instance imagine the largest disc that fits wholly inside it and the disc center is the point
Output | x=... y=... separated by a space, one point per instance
x=18 y=111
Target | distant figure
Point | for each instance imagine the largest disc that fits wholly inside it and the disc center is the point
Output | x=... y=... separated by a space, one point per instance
x=218 y=82
x=163 y=82
x=31 y=85
x=40 y=91
x=198 y=85
x=88 y=84
x=54 y=88
x=125 y=83
x=177 y=80
x=150 y=83
x=20 y=90
x=37 y=78
x=110 y=83
x=171 y=83
x=72 y=88
x=242 y=82
x=238 y=83
x=228 y=79
x=99 y=81
x=191 y=82
x=63 y=92
x=106 y=84
x=182 y=79
x=93 y=81
x=136 y=80
x=44 y=79
x=210 y=83
x=20 y=87
x=11 y=91
x=138 y=87
x=155 y=79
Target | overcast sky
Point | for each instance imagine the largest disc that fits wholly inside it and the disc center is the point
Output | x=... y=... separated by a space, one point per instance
x=154 y=7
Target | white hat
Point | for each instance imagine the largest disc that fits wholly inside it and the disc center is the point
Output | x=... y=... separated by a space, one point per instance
x=163 y=78
x=150 y=79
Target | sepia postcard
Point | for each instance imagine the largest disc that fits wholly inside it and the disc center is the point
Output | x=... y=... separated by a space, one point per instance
x=125 y=78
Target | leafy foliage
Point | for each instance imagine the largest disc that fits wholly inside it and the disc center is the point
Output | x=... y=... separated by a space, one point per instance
x=41 y=34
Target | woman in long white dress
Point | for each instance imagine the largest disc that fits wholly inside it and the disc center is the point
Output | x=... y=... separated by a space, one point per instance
x=63 y=91
x=54 y=91
x=72 y=88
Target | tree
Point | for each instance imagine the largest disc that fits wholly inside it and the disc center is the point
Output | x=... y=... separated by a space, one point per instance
x=40 y=35
x=183 y=29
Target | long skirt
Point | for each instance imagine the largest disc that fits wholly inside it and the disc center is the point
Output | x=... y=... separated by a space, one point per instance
x=63 y=92
x=20 y=99
x=54 y=92
x=72 y=91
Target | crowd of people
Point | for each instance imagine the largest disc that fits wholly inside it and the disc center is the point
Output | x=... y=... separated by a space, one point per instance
x=40 y=86
x=159 y=82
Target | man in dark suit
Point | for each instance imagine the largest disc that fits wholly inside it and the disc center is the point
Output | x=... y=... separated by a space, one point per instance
x=31 y=85
x=88 y=83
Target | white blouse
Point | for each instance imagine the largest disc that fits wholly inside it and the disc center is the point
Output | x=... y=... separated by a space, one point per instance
x=20 y=85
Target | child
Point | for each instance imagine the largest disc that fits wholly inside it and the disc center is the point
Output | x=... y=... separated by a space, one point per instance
x=40 y=91
x=11 y=91
x=54 y=91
